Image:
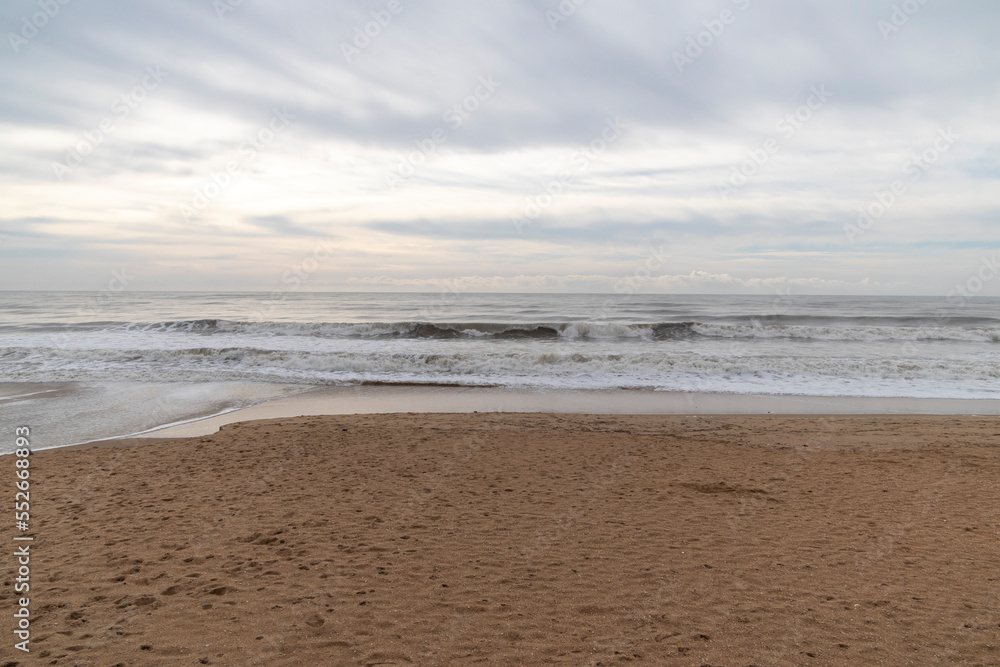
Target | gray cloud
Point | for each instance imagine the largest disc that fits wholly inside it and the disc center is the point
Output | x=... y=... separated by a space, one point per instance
x=557 y=87
x=606 y=59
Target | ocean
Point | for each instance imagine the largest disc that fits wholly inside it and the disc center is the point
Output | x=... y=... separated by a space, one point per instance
x=184 y=352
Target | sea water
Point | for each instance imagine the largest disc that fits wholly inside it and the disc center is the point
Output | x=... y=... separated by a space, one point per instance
x=247 y=347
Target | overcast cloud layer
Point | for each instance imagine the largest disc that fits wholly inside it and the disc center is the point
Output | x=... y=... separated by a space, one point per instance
x=222 y=145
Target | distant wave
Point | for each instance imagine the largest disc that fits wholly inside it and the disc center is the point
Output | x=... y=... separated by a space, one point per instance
x=985 y=330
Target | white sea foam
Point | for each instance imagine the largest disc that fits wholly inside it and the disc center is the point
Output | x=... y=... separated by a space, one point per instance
x=546 y=363
x=812 y=346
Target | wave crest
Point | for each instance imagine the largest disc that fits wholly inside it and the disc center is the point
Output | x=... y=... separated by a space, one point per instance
x=661 y=331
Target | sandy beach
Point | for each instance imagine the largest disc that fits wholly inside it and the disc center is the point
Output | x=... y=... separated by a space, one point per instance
x=437 y=539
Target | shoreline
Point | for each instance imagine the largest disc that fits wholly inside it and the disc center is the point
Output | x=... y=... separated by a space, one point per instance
x=395 y=399
x=205 y=411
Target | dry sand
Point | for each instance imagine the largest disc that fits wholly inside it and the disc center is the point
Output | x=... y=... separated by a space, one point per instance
x=522 y=539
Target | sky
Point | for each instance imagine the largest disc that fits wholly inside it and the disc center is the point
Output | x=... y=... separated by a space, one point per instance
x=724 y=146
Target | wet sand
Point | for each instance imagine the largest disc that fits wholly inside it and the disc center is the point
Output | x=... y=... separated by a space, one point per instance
x=388 y=399
x=442 y=539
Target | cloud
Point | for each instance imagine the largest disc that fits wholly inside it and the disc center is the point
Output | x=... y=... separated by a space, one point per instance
x=554 y=87
x=640 y=282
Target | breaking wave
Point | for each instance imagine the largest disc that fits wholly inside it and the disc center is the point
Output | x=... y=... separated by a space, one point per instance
x=649 y=367
x=987 y=331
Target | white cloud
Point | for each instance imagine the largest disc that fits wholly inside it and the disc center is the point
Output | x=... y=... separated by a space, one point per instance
x=635 y=283
x=356 y=121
